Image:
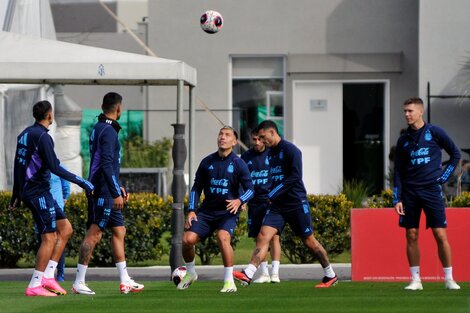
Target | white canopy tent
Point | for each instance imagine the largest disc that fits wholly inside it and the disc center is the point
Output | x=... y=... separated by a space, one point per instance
x=31 y=60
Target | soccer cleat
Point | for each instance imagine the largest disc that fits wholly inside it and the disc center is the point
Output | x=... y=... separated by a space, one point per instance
x=264 y=278
x=229 y=286
x=327 y=282
x=452 y=285
x=130 y=286
x=39 y=291
x=52 y=285
x=187 y=280
x=242 y=278
x=275 y=278
x=82 y=288
x=415 y=285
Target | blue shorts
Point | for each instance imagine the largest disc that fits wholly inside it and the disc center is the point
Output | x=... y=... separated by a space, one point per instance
x=298 y=218
x=210 y=221
x=101 y=213
x=256 y=213
x=45 y=212
x=427 y=198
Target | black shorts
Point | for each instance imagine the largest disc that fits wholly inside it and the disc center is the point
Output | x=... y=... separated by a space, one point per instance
x=46 y=212
x=297 y=217
x=210 y=221
x=256 y=214
x=429 y=199
x=101 y=213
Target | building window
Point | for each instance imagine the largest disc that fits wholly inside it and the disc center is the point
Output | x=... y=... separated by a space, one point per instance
x=257 y=93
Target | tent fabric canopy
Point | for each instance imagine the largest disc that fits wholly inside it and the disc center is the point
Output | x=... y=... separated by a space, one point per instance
x=31 y=60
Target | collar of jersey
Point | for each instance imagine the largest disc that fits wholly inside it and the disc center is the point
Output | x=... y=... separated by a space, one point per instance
x=114 y=123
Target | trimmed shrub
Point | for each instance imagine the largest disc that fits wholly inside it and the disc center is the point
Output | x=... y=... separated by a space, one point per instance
x=462 y=201
x=330 y=218
x=17 y=235
x=147 y=218
x=384 y=200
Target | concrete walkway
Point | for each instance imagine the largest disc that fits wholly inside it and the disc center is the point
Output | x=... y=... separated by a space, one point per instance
x=162 y=273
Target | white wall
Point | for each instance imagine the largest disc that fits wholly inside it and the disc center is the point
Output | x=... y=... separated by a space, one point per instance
x=318 y=132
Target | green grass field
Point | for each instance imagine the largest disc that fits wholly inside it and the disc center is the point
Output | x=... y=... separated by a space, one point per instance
x=289 y=296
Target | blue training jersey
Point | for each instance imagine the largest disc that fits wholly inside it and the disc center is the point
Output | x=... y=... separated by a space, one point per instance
x=258 y=164
x=287 y=188
x=35 y=159
x=418 y=158
x=105 y=158
x=221 y=179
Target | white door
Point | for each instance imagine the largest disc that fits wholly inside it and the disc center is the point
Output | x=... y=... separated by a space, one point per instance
x=318 y=132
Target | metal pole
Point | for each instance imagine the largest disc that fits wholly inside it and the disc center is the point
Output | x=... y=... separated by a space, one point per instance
x=178 y=186
x=192 y=135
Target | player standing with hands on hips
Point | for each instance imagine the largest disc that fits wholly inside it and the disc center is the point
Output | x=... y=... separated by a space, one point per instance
x=221 y=175
x=417 y=186
x=288 y=205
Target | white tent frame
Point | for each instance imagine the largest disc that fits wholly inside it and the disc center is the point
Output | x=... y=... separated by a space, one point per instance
x=31 y=60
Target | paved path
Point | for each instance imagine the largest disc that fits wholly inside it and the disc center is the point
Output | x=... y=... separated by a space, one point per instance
x=208 y=272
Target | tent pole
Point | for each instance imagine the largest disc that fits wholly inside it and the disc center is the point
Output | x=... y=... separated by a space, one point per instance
x=192 y=135
x=178 y=186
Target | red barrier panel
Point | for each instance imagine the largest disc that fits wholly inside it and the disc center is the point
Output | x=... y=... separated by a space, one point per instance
x=378 y=246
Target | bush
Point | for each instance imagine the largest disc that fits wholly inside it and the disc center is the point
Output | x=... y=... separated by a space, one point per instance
x=140 y=153
x=356 y=191
x=17 y=236
x=330 y=218
x=384 y=200
x=147 y=218
x=462 y=201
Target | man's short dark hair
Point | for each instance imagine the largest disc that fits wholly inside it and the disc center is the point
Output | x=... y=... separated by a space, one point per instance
x=232 y=129
x=41 y=109
x=413 y=100
x=110 y=101
x=267 y=124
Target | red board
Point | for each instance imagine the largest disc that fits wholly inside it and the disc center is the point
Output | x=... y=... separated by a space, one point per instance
x=378 y=246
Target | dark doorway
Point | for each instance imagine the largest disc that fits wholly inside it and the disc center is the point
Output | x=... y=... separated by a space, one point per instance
x=363 y=134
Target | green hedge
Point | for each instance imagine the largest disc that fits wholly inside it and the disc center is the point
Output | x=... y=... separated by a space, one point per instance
x=462 y=201
x=330 y=219
x=384 y=200
x=147 y=219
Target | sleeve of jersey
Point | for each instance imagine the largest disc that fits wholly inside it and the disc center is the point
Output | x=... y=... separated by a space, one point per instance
x=196 y=190
x=46 y=150
x=294 y=160
x=16 y=184
x=449 y=146
x=107 y=140
x=397 y=166
x=246 y=182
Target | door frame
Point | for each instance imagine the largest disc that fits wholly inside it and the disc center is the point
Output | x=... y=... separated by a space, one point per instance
x=386 y=104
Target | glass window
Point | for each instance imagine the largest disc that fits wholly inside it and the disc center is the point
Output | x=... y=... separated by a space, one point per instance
x=258 y=94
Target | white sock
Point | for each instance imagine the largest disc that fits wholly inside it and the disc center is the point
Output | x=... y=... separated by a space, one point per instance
x=415 y=273
x=250 y=270
x=448 y=273
x=81 y=272
x=36 y=279
x=50 y=269
x=275 y=267
x=228 y=274
x=264 y=268
x=329 y=271
x=122 y=268
x=191 y=267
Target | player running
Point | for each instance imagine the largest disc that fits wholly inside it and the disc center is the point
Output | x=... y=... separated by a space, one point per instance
x=35 y=160
x=221 y=176
x=288 y=205
x=257 y=161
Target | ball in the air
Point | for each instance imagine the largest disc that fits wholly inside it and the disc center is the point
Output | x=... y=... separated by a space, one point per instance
x=211 y=21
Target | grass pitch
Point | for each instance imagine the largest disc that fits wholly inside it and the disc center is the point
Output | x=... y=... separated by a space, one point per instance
x=288 y=296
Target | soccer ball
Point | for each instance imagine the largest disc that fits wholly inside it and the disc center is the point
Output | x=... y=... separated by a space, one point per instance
x=211 y=21
x=178 y=274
